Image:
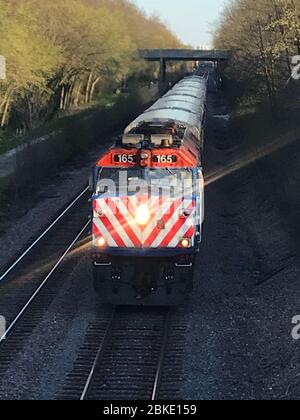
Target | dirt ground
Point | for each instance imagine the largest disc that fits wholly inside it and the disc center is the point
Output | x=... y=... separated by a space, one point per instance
x=247 y=289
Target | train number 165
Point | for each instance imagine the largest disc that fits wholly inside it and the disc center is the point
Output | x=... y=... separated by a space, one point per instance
x=124 y=159
x=164 y=159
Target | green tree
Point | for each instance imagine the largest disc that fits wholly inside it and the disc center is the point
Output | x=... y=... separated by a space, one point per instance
x=261 y=35
x=61 y=54
x=30 y=57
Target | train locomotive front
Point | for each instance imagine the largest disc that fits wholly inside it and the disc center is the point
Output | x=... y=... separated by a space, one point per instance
x=148 y=203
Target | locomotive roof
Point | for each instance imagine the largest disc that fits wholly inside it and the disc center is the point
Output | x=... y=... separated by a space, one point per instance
x=183 y=105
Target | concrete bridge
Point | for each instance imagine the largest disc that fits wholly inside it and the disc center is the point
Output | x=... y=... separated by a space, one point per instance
x=181 y=55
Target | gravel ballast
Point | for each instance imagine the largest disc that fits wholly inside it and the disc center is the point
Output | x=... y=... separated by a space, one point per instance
x=239 y=340
x=52 y=200
x=238 y=320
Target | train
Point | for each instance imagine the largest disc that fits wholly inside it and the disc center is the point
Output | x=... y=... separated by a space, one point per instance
x=148 y=202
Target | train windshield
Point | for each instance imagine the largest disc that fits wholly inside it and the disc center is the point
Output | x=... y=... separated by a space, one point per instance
x=130 y=181
x=169 y=176
x=113 y=180
x=176 y=180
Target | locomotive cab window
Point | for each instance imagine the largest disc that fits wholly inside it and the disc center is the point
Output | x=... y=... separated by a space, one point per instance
x=174 y=179
x=118 y=180
x=112 y=180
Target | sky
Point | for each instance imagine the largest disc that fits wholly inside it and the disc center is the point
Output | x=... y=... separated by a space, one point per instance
x=193 y=21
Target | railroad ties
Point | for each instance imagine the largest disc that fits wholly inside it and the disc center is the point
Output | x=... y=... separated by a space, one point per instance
x=131 y=354
x=31 y=283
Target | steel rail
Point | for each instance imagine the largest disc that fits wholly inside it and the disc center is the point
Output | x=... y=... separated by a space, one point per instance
x=35 y=294
x=8 y=271
x=98 y=357
x=159 y=369
x=102 y=349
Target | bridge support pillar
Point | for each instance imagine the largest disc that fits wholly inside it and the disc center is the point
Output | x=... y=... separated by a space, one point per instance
x=163 y=69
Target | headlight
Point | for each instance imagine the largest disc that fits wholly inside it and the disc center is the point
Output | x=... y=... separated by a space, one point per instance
x=101 y=242
x=185 y=243
x=142 y=215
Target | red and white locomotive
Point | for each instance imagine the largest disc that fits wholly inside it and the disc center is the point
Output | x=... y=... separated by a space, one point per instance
x=148 y=202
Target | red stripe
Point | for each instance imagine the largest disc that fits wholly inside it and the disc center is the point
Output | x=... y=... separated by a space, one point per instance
x=110 y=228
x=190 y=233
x=166 y=217
x=125 y=226
x=173 y=232
x=96 y=205
x=96 y=231
x=116 y=237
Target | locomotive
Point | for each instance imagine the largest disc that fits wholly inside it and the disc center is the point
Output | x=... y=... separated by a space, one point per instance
x=148 y=202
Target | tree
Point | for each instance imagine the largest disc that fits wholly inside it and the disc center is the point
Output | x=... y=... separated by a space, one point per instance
x=30 y=57
x=261 y=35
x=60 y=54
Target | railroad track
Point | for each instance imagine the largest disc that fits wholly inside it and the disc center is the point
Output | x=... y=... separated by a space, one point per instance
x=29 y=285
x=130 y=354
x=30 y=247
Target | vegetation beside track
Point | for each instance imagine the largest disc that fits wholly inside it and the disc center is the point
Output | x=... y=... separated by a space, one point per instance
x=69 y=140
x=62 y=56
x=264 y=40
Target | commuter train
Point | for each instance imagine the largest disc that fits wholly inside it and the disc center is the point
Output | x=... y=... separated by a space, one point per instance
x=148 y=202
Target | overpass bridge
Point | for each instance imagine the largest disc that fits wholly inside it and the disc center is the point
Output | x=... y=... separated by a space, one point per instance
x=181 y=55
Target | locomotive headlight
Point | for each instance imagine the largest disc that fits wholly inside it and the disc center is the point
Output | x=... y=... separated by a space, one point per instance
x=186 y=243
x=142 y=215
x=101 y=242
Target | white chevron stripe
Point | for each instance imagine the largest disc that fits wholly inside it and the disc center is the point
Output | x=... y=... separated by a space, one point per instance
x=111 y=242
x=129 y=219
x=134 y=202
x=116 y=224
x=170 y=226
x=161 y=211
x=165 y=208
x=180 y=234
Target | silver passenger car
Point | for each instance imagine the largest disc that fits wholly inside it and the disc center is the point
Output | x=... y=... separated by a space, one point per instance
x=183 y=106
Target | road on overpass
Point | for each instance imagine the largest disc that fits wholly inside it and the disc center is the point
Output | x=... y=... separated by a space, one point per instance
x=181 y=55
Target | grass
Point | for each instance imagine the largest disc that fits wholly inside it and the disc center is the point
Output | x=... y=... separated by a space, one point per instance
x=73 y=137
x=259 y=126
x=9 y=141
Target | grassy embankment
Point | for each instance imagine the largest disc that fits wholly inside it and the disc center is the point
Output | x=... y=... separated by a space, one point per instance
x=260 y=130
x=273 y=144
x=9 y=140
